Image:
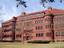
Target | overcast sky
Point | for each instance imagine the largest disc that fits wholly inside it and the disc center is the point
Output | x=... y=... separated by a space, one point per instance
x=9 y=8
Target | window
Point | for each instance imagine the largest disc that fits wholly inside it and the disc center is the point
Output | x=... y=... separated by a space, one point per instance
x=62 y=33
x=28 y=24
x=48 y=19
x=6 y=25
x=48 y=26
x=18 y=29
x=39 y=27
x=39 y=34
x=28 y=30
x=6 y=30
x=7 y=36
x=39 y=21
x=27 y=37
x=18 y=35
x=48 y=34
x=57 y=33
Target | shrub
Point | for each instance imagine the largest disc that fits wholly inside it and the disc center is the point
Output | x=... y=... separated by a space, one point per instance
x=38 y=41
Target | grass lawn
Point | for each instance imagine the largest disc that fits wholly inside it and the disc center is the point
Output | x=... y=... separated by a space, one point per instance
x=26 y=45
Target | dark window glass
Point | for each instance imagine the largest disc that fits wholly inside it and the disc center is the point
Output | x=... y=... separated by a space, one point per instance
x=48 y=26
x=57 y=33
x=48 y=19
x=7 y=36
x=18 y=29
x=28 y=30
x=62 y=33
x=39 y=21
x=27 y=37
x=48 y=34
x=39 y=27
x=6 y=30
x=5 y=25
x=18 y=35
x=39 y=34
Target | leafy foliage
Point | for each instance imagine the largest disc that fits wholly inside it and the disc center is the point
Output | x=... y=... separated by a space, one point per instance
x=38 y=41
x=46 y=1
x=21 y=3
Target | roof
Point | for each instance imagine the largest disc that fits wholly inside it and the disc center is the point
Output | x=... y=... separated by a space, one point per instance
x=54 y=11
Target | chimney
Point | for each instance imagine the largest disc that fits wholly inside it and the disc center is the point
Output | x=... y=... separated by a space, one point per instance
x=50 y=10
x=23 y=13
x=14 y=18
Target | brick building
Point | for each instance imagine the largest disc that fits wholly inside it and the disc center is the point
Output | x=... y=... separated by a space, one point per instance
x=0 y=33
x=8 y=30
x=36 y=26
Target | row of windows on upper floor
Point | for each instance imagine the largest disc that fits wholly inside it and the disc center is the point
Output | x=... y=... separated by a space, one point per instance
x=37 y=28
x=7 y=30
x=48 y=19
x=41 y=27
x=36 y=22
x=7 y=25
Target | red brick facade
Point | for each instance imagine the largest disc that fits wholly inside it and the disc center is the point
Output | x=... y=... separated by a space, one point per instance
x=36 y=26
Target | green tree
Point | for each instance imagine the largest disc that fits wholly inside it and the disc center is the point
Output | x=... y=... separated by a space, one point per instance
x=21 y=2
x=46 y=1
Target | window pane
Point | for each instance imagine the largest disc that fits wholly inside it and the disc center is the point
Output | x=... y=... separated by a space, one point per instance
x=39 y=34
x=57 y=33
x=39 y=27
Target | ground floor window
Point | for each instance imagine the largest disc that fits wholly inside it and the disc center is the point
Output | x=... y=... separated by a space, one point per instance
x=39 y=34
x=48 y=34
x=18 y=35
x=7 y=36
x=27 y=37
x=59 y=33
x=62 y=33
